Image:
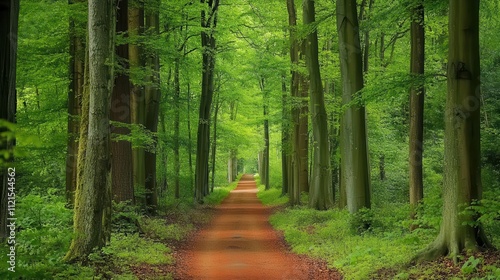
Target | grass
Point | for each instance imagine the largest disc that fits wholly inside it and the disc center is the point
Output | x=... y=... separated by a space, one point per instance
x=381 y=250
x=271 y=197
x=138 y=242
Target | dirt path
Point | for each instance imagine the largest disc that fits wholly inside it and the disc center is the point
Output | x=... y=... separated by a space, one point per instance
x=239 y=243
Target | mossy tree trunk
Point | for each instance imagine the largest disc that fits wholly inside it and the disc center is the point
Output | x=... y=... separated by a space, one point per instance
x=92 y=200
x=462 y=153
x=75 y=91
x=354 y=170
x=9 y=13
x=320 y=191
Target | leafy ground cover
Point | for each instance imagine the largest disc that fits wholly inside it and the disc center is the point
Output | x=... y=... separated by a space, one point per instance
x=141 y=247
x=376 y=243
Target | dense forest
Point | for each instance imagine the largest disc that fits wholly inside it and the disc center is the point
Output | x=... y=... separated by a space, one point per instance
x=371 y=128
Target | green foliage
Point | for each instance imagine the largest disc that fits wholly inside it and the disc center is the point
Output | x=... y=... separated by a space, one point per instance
x=471 y=265
x=328 y=235
x=271 y=197
x=125 y=218
x=159 y=229
x=132 y=249
x=362 y=220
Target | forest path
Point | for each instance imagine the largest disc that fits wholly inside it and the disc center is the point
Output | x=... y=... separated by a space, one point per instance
x=240 y=243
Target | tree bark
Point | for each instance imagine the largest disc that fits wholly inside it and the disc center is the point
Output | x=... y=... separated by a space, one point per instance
x=294 y=161
x=137 y=94
x=417 y=108
x=75 y=92
x=152 y=94
x=177 y=163
x=355 y=177
x=320 y=192
x=285 y=137
x=462 y=151
x=264 y=179
x=92 y=201
x=303 y=141
x=121 y=151
x=208 y=23
x=214 y=144
x=9 y=13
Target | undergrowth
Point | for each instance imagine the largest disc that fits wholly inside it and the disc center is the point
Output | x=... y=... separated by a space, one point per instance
x=364 y=245
x=44 y=234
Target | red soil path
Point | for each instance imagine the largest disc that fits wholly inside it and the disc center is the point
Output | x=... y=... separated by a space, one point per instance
x=239 y=243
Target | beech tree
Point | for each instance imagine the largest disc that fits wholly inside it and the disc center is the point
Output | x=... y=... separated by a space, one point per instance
x=462 y=153
x=354 y=169
x=320 y=192
x=417 y=106
x=121 y=150
x=152 y=95
x=75 y=93
x=208 y=23
x=93 y=197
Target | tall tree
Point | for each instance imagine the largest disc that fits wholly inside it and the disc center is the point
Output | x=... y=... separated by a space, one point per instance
x=462 y=152
x=92 y=199
x=320 y=192
x=354 y=170
x=121 y=150
x=294 y=167
x=303 y=121
x=232 y=162
x=9 y=12
x=75 y=92
x=417 y=106
x=152 y=95
x=137 y=98
x=177 y=111
x=214 y=143
x=208 y=24
x=265 y=152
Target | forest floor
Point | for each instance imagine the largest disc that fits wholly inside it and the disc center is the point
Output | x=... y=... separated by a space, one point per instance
x=240 y=243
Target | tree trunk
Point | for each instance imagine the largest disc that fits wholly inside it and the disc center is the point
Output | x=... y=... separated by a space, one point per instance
x=75 y=92
x=214 y=144
x=303 y=140
x=417 y=108
x=354 y=175
x=232 y=161
x=121 y=151
x=9 y=13
x=294 y=170
x=462 y=152
x=285 y=135
x=320 y=192
x=137 y=97
x=265 y=153
x=208 y=23
x=152 y=94
x=190 y=146
x=92 y=200
x=177 y=163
